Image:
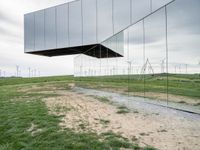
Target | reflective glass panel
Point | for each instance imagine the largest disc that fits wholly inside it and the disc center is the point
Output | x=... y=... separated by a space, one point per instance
x=104 y=15
x=140 y=8
x=135 y=59
x=184 y=53
x=116 y=43
x=121 y=14
x=155 y=57
x=62 y=26
x=39 y=30
x=50 y=28
x=29 y=32
x=120 y=43
x=156 y=4
x=89 y=22
x=75 y=23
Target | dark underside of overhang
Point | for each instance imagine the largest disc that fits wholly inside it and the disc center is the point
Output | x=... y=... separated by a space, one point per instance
x=95 y=50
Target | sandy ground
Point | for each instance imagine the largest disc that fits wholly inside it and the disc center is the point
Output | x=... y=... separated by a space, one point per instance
x=84 y=113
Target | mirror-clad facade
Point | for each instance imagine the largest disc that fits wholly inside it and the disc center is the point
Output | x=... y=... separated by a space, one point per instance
x=62 y=25
x=83 y=22
x=29 y=32
x=39 y=30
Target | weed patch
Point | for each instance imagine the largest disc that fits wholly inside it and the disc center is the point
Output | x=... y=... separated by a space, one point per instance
x=123 y=110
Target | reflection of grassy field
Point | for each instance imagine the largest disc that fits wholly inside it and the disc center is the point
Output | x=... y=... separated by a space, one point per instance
x=183 y=85
x=25 y=122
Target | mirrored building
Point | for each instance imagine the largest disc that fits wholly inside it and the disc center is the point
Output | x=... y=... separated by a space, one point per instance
x=132 y=43
x=85 y=26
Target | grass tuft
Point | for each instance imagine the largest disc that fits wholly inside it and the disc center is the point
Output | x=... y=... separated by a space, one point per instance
x=123 y=110
x=102 y=99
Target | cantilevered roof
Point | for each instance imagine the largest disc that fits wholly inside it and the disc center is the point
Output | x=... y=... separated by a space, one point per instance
x=96 y=50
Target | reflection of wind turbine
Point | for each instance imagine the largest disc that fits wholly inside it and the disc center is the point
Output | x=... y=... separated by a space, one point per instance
x=29 y=72
x=130 y=62
x=81 y=69
x=186 y=67
x=175 y=69
x=17 y=70
x=163 y=65
x=145 y=66
x=129 y=71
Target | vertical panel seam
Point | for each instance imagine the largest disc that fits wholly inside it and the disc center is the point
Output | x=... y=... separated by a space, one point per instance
x=166 y=30
x=97 y=21
x=82 y=21
x=44 y=29
x=34 y=30
x=130 y=11
x=144 y=42
x=113 y=17
x=68 y=24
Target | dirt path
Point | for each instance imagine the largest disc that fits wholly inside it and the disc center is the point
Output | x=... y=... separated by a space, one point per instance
x=84 y=113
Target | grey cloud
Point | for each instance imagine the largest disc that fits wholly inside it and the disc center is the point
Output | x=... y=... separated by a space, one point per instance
x=7 y=19
x=10 y=36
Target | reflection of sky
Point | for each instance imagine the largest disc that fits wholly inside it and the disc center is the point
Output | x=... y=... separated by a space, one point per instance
x=183 y=37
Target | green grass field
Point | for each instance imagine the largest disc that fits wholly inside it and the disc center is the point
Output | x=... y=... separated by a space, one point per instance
x=20 y=109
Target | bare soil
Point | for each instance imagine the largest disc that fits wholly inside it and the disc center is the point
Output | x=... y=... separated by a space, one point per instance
x=84 y=113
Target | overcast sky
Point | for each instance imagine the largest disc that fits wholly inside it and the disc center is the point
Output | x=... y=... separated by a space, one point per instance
x=12 y=44
x=184 y=37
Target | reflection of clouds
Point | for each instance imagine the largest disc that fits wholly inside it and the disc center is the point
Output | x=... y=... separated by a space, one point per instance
x=39 y=30
x=116 y=43
x=158 y=3
x=75 y=27
x=62 y=26
x=50 y=28
x=104 y=15
x=140 y=8
x=184 y=15
x=89 y=22
x=121 y=15
x=183 y=33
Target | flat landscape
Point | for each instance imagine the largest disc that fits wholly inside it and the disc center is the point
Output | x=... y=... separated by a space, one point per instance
x=48 y=113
